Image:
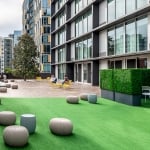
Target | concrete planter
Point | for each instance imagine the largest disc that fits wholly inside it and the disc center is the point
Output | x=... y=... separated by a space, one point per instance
x=108 y=94
x=133 y=100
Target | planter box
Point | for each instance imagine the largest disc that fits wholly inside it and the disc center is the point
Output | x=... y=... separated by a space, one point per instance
x=134 y=100
x=107 y=94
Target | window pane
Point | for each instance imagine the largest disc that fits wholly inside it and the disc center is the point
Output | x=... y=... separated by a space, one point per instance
x=142 y=34
x=130 y=38
x=89 y=48
x=120 y=40
x=130 y=6
x=85 y=25
x=111 y=42
x=85 y=49
x=120 y=8
x=111 y=10
x=141 y=3
x=90 y=21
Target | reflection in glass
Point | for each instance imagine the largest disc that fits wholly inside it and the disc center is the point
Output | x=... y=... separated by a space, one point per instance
x=142 y=34
x=119 y=40
x=111 y=10
x=141 y=3
x=120 y=8
x=130 y=37
x=111 y=42
x=130 y=6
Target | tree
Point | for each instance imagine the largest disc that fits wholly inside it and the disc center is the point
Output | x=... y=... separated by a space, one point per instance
x=25 y=58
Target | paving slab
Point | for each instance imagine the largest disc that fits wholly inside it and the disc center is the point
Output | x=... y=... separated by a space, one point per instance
x=34 y=88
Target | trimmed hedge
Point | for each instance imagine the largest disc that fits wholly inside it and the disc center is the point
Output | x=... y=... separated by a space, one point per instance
x=127 y=81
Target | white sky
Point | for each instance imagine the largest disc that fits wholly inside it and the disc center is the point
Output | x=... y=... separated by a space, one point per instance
x=10 y=16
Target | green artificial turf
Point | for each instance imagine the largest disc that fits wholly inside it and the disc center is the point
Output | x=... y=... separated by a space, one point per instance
x=106 y=125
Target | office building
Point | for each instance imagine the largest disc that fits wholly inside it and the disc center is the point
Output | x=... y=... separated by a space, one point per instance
x=90 y=35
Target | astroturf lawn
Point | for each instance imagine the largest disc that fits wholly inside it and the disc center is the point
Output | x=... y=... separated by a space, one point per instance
x=106 y=125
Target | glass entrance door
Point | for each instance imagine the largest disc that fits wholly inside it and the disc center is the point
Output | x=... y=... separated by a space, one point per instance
x=83 y=72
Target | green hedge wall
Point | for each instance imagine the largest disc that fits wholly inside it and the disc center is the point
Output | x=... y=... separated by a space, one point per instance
x=128 y=81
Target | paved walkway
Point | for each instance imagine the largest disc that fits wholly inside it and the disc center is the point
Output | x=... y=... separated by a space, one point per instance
x=33 y=88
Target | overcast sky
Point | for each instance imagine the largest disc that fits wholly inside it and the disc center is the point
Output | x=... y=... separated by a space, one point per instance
x=10 y=16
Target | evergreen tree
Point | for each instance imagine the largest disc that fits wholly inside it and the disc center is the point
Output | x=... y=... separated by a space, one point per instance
x=25 y=58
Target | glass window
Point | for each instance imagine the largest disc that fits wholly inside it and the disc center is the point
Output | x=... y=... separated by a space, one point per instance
x=85 y=49
x=80 y=51
x=120 y=8
x=119 y=44
x=80 y=26
x=44 y=38
x=90 y=21
x=131 y=63
x=61 y=55
x=85 y=24
x=111 y=42
x=130 y=6
x=44 y=58
x=46 y=67
x=141 y=62
x=78 y=5
x=111 y=10
x=76 y=51
x=61 y=71
x=118 y=64
x=130 y=37
x=89 y=54
x=141 y=3
x=142 y=34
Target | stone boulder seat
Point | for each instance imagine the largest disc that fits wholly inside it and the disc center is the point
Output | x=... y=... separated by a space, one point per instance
x=72 y=99
x=84 y=96
x=7 y=118
x=15 y=136
x=3 y=89
x=61 y=126
x=14 y=86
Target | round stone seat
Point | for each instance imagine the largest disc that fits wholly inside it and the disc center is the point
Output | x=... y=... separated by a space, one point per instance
x=92 y=98
x=14 y=86
x=12 y=80
x=84 y=96
x=61 y=126
x=3 y=89
x=5 y=81
x=8 y=85
x=28 y=121
x=16 y=136
x=7 y=118
x=72 y=99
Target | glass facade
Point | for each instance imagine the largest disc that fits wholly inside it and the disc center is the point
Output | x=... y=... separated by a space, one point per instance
x=83 y=49
x=142 y=34
x=130 y=41
x=129 y=37
x=130 y=6
x=83 y=24
x=61 y=71
x=118 y=8
x=61 y=36
x=61 y=55
x=119 y=41
x=111 y=42
x=136 y=37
